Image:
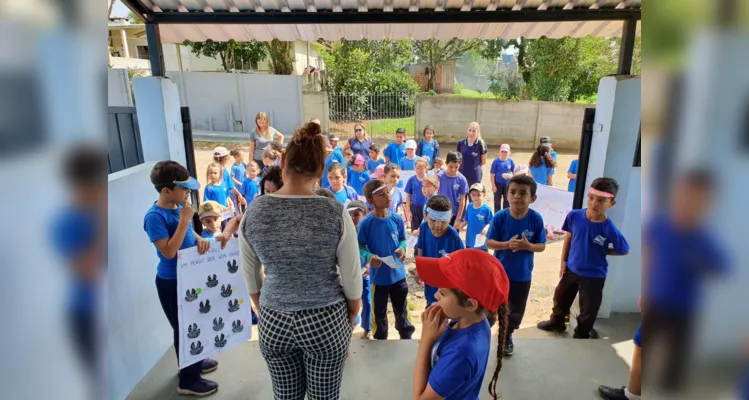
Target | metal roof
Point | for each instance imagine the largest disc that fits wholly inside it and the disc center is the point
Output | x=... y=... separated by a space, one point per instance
x=310 y=20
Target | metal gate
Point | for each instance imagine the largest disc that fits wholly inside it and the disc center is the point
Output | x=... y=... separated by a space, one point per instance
x=380 y=113
x=125 y=149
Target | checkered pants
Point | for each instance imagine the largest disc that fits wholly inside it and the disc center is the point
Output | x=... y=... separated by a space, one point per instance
x=305 y=351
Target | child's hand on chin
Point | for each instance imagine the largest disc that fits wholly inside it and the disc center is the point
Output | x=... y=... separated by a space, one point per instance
x=434 y=323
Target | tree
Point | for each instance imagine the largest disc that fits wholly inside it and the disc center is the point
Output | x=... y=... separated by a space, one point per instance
x=434 y=52
x=506 y=85
x=231 y=53
x=134 y=18
x=281 y=60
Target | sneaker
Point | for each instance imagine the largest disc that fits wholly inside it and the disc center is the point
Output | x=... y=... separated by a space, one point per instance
x=208 y=365
x=198 y=388
x=367 y=335
x=509 y=348
x=610 y=393
x=550 y=326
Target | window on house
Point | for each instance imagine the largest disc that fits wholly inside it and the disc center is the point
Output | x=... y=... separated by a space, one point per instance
x=142 y=52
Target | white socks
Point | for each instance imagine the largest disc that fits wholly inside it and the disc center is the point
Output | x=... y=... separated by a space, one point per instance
x=629 y=395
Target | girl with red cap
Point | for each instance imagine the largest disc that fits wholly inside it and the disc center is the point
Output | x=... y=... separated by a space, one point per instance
x=456 y=332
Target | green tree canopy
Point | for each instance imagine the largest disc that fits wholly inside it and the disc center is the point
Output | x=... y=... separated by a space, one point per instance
x=434 y=52
x=232 y=54
x=281 y=56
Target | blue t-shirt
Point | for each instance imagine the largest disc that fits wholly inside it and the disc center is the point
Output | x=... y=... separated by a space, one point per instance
x=453 y=187
x=459 y=361
x=372 y=165
x=238 y=171
x=382 y=236
x=346 y=194
x=427 y=151
x=395 y=152
x=436 y=247
x=477 y=220
x=228 y=181
x=500 y=167
x=407 y=164
x=160 y=223
x=357 y=180
x=471 y=165
x=590 y=244
x=519 y=264
x=74 y=232
x=218 y=193
x=208 y=235
x=541 y=174
x=680 y=261
x=249 y=190
x=572 y=170
x=331 y=158
x=413 y=187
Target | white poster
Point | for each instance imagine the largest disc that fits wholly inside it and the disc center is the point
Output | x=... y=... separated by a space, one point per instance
x=406 y=175
x=553 y=204
x=214 y=306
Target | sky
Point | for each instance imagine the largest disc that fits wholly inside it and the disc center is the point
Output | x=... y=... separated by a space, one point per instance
x=119 y=9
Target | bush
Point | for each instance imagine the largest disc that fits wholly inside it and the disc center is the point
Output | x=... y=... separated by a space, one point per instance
x=431 y=92
x=506 y=85
x=458 y=88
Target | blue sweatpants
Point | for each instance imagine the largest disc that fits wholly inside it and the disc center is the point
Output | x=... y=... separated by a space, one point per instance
x=366 y=304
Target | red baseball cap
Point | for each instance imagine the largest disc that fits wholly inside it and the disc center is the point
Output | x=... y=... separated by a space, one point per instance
x=477 y=273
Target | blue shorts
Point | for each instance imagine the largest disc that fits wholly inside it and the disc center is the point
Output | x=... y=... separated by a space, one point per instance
x=638 y=336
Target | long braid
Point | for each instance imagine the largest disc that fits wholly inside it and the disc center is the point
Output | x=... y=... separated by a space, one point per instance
x=502 y=314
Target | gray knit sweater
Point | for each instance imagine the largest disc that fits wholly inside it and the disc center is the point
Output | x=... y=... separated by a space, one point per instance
x=300 y=243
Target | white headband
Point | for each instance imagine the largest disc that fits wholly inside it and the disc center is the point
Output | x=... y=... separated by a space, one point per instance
x=440 y=215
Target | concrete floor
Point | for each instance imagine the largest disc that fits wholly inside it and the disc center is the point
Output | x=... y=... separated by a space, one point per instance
x=544 y=366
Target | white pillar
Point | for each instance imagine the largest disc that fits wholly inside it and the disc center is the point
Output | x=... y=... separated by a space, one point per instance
x=123 y=35
x=159 y=119
x=615 y=132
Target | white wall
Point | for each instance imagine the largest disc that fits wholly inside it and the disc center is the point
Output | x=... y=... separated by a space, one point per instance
x=129 y=63
x=210 y=94
x=138 y=332
x=118 y=88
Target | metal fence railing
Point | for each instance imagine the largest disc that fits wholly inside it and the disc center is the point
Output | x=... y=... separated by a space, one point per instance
x=380 y=113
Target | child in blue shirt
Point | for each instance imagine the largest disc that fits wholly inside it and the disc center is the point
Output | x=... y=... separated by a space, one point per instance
x=396 y=150
x=250 y=187
x=456 y=331
x=437 y=239
x=217 y=188
x=238 y=168
x=358 y=176
x=221 y=157
x=407 y=163
x=415 y=201
x=169 y=227
x=590 y=233
x=428 y=147
x=572 y=176
x=478 y=216
x=501 y=172
x=358 y=210
x=374 y=158
x=383 y=234
x=455 y=186
x=210 y=216
x=337 y=178
x=515 y=234
x=393 y=179
x=542 y=166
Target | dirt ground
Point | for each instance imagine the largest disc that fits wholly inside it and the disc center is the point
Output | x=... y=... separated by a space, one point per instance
x=546 y=270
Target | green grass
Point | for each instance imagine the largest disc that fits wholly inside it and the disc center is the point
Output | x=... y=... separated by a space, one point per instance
x=472 y=94
x=388 y=126
x=593 y=99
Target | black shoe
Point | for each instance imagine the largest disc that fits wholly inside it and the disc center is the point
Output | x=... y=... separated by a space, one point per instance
x=550 y=326
x=208 y=365
x=509 y=347
x=198 y=388
x=610 y=393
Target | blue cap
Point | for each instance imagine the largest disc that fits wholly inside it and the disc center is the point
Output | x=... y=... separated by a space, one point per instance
x=191 y=184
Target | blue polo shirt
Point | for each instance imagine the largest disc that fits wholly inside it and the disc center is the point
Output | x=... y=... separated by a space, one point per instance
x=590 y=244
x=500 y=167
x=519 y=264
x=436 y=247
x=161 y=223
x=413 y=187
x=680 y=261
x=357 y=180
x=478 y=219
x=459 y=361
x=381 y=237
x=346 y=194
x=428 y=150
x=453 y=187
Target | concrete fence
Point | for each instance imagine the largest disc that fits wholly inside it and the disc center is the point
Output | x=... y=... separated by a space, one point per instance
x=518 y=123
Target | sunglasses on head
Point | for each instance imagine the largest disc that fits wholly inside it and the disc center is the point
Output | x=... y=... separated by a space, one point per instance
x=358 y=130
